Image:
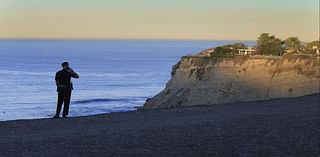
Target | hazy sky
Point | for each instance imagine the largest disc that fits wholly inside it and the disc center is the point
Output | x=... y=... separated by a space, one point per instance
x=159 y=19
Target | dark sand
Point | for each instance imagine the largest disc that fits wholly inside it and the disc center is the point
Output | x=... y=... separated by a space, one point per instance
x=287 y=127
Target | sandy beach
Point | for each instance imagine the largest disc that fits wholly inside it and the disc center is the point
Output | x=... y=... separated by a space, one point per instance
x=284 y=127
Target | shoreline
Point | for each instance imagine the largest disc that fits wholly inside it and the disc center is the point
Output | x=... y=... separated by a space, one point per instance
x=281 y=127
x=141 y=109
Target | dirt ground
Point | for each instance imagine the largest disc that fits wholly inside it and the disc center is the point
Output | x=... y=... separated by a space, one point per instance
x=284 y=127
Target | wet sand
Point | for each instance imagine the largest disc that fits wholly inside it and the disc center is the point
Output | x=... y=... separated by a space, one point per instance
x=284 y=127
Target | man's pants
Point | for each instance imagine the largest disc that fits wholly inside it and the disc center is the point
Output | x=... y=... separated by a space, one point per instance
x=64 y=97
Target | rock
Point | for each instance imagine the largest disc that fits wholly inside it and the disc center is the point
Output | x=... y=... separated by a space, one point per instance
x=202 y=80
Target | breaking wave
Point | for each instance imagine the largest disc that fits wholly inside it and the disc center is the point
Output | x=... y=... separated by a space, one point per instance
x=87 y=101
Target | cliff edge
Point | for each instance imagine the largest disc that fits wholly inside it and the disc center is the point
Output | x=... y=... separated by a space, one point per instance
x=203 y=80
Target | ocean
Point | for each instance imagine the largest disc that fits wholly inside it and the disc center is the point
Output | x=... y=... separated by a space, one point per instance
x=115 y=75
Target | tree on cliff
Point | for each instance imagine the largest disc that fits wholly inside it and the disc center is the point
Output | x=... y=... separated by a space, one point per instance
x=269 y=44
x=293 y=44
x=237 y=46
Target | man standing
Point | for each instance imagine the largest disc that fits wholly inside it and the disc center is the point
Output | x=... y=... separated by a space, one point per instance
x=64 y=88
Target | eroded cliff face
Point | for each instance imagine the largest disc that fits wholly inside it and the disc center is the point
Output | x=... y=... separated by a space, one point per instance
x=200 y=80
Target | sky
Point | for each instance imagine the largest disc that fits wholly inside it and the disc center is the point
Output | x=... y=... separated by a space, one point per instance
x=159 y=19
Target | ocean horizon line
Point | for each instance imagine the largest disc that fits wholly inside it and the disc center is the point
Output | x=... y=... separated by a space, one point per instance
x=126 y=39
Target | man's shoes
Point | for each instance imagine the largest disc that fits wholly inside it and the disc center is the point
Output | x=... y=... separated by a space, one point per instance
x=64 y=116
x=56 y=117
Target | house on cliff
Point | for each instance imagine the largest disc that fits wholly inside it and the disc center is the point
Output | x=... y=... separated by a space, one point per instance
x=207 y=52
x=316 y=49
x=248 y=51
x=210 y=52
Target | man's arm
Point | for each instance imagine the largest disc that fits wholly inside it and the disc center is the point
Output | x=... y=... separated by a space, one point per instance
x=57 y=78
x=73 y=74
x=57 y=83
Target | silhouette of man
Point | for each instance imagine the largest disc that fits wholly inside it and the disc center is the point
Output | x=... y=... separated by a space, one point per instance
x=64 y=88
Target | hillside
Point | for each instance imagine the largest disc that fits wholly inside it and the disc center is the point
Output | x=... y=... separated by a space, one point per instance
x=202 y=80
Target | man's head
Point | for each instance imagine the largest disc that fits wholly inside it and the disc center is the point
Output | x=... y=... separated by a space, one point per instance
x=65 y=65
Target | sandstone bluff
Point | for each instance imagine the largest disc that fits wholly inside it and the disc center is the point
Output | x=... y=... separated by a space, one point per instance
x=202 y=80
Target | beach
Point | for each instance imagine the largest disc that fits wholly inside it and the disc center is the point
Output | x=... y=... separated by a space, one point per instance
x=283 y=127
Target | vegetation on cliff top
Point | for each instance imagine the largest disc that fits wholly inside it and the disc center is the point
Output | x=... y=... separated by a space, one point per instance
x=269 y=44
x=266 y=45
x=228 y=50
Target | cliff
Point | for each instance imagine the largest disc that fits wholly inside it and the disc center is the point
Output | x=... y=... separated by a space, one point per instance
x=202 y=80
